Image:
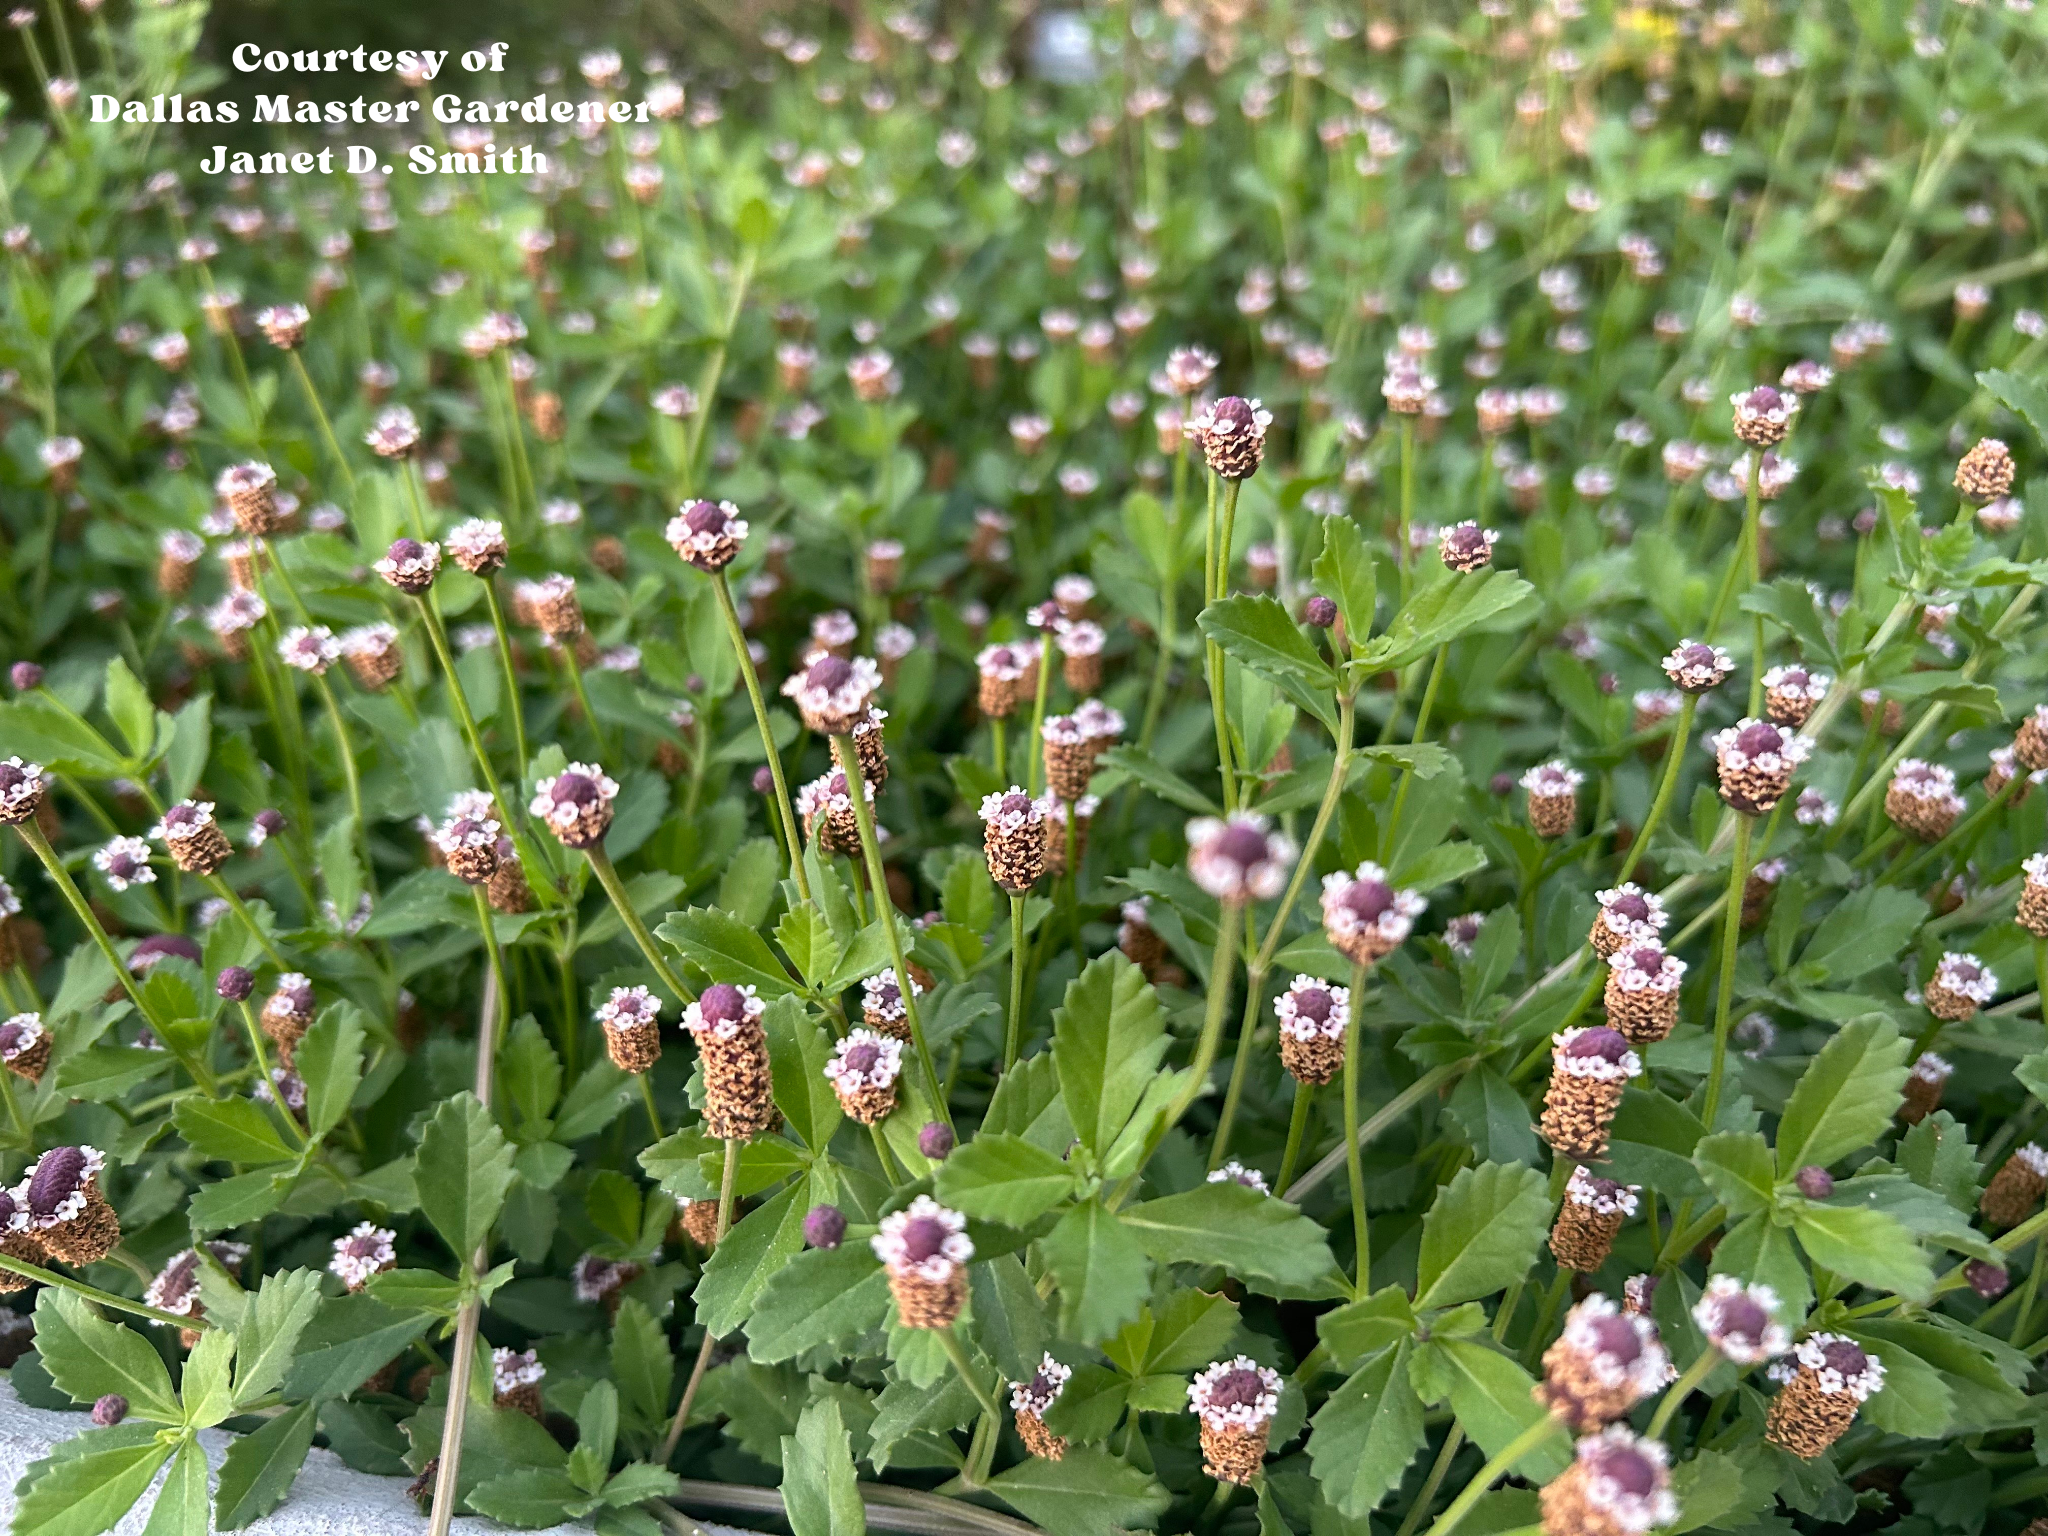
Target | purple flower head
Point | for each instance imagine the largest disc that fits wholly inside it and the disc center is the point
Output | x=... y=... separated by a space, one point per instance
x=1320 y=611
x=935 y=1140
x=26 y=676
x=824 y=1226
x=1814 y=1182
x=235 y=983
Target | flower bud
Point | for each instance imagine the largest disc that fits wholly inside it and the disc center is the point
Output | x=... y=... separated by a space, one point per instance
x=235 y=983
x=824 y=1226
x=1320 y=611
x=110 y=1410
x=1814 y=1182
x=26 y=676
x=935 y=1140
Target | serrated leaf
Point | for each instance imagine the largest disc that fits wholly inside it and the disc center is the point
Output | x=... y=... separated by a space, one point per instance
x=1737 y=1168
x=820 y=1494
x=1491 y=1395
x=85 y=1486
x=726 y=949
x=1101 y=1269
x=273 y=1319
x=1003 y=1178
x=748 y=1256
x=1366 y=1433
x=1846 y=1097
x=641 y=1363
x=1871 y=1247
x=260 y=1468
x=230 y=1130
x=1258 y=634
x=822 y=1298
x=89 y=1357
x=465 y=1167
x=330 y=1059
x=1346 y=572
x=181 y=1507
x=1870 y=928
x=1482 y=1233
x=1252 y=1236
x=204 y=1384
x=1086 y=1493
x=798 y=1048
x=1108 y=1038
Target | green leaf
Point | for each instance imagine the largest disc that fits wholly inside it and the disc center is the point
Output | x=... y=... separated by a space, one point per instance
x=191 y=745
x=820 y=1494
x=1366 y=1326
x=86 y=1485
x=88 y=1357
x=1108 y=1036
x=1192 y=1329
x=1872 y=1247
x=233 y=1202
x=181 y=1505
x=1253 y=1236
x=1756 y=1248
x=1443 y=610
x=798 y=1048
x=532 y=1498
x=905 y=1411
x=637 y=1481
x=726 y=949
x=267 y=1338
x=128 y=704
x=1346 y=572
x=330 y=1059
x=1711 y=1490
x=204 y=1385
x=1257 y=633
x=1486 y=1106
x=1870 y=928
x=1737 y=1168
x=465 y=1167
x=1490 y=1394
x=593 y=1101
x=748 y=1256
x=529 y=1076
x=1146 y=769
x=1846 y=1098
x=339 y=869
x=1364 y=1436
x=1086 y=1493
x=1921 y=1405
x=807 y=939
x=2025 y=398
x=230 y=1130
x=346 y=1343
x=1101 y=1270
x=641 y=1363
x=261 y=1467
x=1481 y=1234
x=1003 y=1178
x=824 y=1298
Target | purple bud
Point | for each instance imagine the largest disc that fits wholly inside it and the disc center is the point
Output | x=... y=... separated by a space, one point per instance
x=764 y=780
x=1986 y=1279
x=722 y=1003
x=27 y=676
x=824 y=1226
x=935 y=1140
x=271 y=821
x=1814 y=1182
x=235 y=983
x=110 y=1410
x=1320 y=611
x=705 y=517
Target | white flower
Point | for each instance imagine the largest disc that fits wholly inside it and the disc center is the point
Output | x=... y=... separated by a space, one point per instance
x=1235 y=1394
x=125 y=862
x=309 y=648
x=925 y=1240
x=363 y=1253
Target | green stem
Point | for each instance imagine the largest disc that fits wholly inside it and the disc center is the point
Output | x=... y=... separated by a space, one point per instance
x=61 y=878
x=247 y=918
x=728 y=1181
x=885 y=914
x=707 y=383
x=1454 y=1441
x=350 y=774
x=1527 y=1441
x=255 y=1034
x=1297 y=1128
x=1240 y=1068
x=1354 y=1151
x=753 y=682
x=1676 y=1394
x=1401 y=559
x=1013 y=1034
x=1034 y=763
x=511 y=677
x=1731 y=938
x=950 y=1341
x=608 y=877
x=1229 y=924
x=1681 y=740
x=326 y=427
x=43 y=1276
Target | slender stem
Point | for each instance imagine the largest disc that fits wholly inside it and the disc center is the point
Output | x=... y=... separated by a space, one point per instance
x=950 y=1341
x=1386 y=1115
x=43 y=1276
x=491 y=1025
x=1676 y=1394
x=608 y=877
x=999 y=757
x=1454 y=1441
x=22 y=1128
x=647 y=1098
x=349 y=773
x=728 y=1181
x=348 y=476
x=61 y=878
x=707 y=383
x=1422 y=714
x=511 y=677
x=1214 y=656
x=1240 y=1068
x=1297 y=1127
x=1034 y=763
x=467 y=1319
x=1013 y=1034
x=753 y=682
x=1681 y=740
x=256 y=1049
x=1229 y=924
x=1354 y=1151
x=885 y=914
x=1527 y=1441
x=1340 y=769
x=1753 y=542
x=227 y=894
x=1401 y=559
x=575 y=671
x=1731 y=938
